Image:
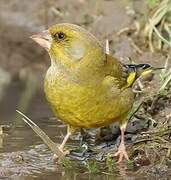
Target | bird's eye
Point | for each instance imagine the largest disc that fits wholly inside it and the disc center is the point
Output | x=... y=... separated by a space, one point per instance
x=59 y=36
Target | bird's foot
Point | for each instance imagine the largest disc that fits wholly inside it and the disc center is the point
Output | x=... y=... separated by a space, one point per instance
x=121 y=153
x=61 y=153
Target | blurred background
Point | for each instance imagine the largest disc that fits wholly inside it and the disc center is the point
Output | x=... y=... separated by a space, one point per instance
x=126 y=24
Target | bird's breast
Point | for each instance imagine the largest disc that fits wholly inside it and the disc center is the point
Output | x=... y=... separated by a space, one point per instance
x=81 y=105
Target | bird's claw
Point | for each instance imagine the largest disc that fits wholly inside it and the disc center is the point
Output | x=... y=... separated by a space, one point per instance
x=121 y=153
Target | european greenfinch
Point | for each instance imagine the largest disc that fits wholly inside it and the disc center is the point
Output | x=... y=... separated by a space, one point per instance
x=85 y=87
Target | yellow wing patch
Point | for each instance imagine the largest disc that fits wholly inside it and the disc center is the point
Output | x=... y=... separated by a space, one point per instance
x=131 y=78
x=148 y=71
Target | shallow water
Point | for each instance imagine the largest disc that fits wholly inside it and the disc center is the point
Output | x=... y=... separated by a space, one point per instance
x=22 y=153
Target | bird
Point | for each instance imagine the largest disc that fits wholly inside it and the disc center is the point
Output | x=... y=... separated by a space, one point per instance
x=84 y=86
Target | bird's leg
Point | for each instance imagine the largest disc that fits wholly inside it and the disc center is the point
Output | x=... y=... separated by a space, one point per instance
x=122 y=149
x=70 y=131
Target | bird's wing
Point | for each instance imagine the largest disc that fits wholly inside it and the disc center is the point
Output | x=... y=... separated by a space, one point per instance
x=115 y=83
x=125 y=74
x=115 y=70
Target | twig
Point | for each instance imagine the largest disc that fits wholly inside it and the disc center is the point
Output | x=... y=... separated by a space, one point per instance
x=57 y=12
x=140 y=84
x=123 y=30
x=107 y=47
x=52 y=146
x=137 y=109
x=137 y=49
x=158 y=133
x=156 y=139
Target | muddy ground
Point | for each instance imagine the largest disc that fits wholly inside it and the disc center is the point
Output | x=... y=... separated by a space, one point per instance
x=22 y=68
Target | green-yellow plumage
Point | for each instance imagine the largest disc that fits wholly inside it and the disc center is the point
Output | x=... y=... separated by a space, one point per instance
x=85 y=87
x=86 y=92
x=87 y=102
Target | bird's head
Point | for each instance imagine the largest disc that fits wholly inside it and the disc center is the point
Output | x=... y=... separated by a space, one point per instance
x=69 y=44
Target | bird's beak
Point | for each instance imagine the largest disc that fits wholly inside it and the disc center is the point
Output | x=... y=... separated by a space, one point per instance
x=44 y=39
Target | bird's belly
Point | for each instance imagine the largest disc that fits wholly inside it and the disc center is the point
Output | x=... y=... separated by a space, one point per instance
x=82 y=106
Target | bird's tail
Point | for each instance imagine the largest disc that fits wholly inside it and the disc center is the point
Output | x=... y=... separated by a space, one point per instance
x=134 y=71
